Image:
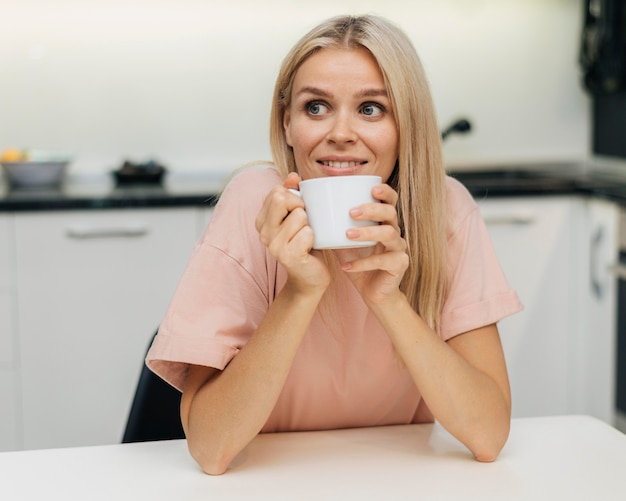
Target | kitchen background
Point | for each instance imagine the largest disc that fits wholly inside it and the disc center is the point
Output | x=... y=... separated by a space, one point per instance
x=189 y=82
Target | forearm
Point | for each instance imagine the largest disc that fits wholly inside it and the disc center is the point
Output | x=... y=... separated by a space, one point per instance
x=230 y=409
x=472 y=404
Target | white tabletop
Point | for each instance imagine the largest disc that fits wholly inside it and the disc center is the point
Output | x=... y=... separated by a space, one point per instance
x=553 y=458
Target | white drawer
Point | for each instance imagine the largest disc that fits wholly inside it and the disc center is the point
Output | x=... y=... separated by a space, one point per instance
x=6 y=330
x=10 y=437
x=6 y=243
x=91 y=297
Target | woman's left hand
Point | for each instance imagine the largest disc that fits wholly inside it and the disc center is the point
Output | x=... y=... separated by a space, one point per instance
x=376 y=271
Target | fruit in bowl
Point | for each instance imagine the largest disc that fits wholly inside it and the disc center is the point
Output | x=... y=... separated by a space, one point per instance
x=33 y=169
x=13 y=155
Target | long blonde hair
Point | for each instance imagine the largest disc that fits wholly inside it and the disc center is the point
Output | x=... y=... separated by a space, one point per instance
x=419 y=175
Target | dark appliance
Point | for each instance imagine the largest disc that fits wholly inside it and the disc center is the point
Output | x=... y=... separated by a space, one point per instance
x=603 y=65
x=620 y=380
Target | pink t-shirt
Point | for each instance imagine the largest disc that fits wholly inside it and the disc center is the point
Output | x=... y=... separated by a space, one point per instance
x=345 y=377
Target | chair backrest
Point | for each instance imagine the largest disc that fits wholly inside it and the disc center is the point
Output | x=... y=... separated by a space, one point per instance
x=155 y=411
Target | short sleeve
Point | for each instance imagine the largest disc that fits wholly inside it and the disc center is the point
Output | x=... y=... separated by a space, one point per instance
x=478 y=292
x=226 y=288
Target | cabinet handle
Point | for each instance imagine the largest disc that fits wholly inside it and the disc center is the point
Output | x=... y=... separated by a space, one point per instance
x=508 y=220
x=618 y=270
x=79 y=231
x=594 y=249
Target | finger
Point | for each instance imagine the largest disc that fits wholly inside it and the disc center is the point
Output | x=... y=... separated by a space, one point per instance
x=292 y=181
x=384 y=212
x=385 y=194
x=388 y=236
x=394 y=263
x=380 y=213
x=284 y=232
x=276 y=207
x=294 y=240
x=384 y=215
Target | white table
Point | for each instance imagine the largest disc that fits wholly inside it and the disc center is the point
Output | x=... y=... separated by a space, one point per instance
x=552 y=458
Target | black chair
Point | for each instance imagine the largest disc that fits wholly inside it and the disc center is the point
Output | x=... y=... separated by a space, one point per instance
x=155 y=412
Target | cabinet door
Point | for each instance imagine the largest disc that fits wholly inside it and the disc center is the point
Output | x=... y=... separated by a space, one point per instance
x=7 y=291
x=7 y=330
x=596 y=350
x=10 y=438
x=6 y=241
x=9 y=416
x=93 y=287
x=537 y=241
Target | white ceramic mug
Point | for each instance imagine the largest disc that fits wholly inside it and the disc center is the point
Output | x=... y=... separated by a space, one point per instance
x=327 y=202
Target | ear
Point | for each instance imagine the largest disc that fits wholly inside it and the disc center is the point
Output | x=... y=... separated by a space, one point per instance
x=286 y=123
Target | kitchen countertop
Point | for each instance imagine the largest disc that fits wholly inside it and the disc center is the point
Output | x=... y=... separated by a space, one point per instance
x=198 y=190
x=101 y=193
x=527 y=182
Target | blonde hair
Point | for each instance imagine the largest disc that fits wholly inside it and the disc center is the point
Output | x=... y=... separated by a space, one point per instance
x=419 y=174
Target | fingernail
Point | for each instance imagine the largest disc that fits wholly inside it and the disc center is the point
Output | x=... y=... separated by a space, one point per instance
x=352 y=233
x=346 y=266
x=356 y=212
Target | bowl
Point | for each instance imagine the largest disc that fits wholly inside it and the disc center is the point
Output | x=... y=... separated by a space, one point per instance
x=148 y=173
x=35 y=174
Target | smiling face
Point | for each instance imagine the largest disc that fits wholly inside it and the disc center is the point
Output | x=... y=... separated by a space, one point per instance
x=339 y=121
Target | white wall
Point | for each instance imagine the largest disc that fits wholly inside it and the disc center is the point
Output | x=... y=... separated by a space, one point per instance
x=189 y=82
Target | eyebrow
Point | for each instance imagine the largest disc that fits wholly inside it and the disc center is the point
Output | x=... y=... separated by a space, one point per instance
x=322 y=93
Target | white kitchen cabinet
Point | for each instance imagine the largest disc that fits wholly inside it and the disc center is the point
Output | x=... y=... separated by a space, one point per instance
x=7 y=329
x=7 y=291
x=93 y=287
x=556 y=348
x=594 y=354
x=10 y=431
x=6 y=274
x=9 y=415
x=204 y=216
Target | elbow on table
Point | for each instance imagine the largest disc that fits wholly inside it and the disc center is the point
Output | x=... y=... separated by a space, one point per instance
x=486 y=456
x=488 y=450
x=211 y=462
x=487 y=439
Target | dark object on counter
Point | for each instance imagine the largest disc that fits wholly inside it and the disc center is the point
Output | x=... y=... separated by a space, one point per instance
x=609 y=124
x=132 y=174
x=155 y=412
x=461 y=126
x=603 y=46
x=620 y=383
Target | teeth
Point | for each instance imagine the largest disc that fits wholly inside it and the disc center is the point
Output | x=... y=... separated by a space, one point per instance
x=340 y=165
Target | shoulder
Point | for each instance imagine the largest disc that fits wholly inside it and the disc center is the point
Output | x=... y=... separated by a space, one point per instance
x=252 y=182
x=246 y=190
x=240 y=202
x=459 y=204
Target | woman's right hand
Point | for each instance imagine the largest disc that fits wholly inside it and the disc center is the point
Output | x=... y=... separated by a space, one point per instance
x=284 y=229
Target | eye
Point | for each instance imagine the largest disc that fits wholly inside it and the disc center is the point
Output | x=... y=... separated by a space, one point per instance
x=372 y=109
x=316 y=108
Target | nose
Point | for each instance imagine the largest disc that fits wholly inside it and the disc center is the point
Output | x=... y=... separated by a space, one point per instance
x=342 y=129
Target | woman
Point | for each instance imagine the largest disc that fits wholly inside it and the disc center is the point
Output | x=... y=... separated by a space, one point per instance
x=265 y=334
